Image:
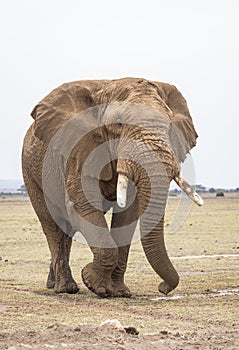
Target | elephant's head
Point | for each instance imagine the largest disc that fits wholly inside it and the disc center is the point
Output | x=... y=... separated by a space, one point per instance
x=151 y=114
x=138 y=129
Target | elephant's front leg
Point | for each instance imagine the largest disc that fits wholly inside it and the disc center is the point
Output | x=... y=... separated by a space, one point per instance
x=97 y=275
x=119 y=287
x=60 y=276
x=122 y=229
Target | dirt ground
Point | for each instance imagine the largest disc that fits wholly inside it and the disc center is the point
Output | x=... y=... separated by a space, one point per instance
x=202 y=313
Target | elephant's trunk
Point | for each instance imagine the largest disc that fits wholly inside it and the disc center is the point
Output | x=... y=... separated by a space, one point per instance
x=152 y=183
x=152 y=233
x=155 y=251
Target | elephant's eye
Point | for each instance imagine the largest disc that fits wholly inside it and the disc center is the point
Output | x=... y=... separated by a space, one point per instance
x=118 y=121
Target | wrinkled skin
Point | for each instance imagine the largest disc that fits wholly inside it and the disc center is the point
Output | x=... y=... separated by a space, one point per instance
x=105 y=275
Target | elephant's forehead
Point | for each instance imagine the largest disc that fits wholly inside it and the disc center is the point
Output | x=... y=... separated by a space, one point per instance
x=132 y=113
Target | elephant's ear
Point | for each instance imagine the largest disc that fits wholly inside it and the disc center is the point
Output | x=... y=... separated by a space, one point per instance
x=56 y=108
x=60 y=105
x=182 y=134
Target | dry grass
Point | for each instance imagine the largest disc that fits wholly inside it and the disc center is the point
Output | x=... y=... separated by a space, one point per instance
x=195 y=306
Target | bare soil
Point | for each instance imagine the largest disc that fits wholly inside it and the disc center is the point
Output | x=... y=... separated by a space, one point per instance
x=202 y=313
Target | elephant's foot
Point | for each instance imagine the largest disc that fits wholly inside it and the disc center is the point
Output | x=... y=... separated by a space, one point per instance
x=50 y=279
x=120 y=290
x=66 y=286
x=164 y=288
x=50 y=282
x=97 y=281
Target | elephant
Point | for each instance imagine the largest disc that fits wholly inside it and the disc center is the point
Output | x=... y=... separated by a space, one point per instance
x=96 y=145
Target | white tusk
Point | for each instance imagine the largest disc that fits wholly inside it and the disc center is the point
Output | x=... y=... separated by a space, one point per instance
x=192 y=194
x=122 y=186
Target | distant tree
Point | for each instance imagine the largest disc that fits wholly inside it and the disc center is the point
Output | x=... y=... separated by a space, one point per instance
x=200 y=188
x=237 y=189
x=212 y=190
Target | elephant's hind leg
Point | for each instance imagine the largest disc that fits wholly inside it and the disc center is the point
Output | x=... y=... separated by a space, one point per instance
x=60 y=276
x=51 y=280
x=51 y=276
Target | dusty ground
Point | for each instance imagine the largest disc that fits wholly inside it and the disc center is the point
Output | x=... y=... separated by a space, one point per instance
x=202 y=313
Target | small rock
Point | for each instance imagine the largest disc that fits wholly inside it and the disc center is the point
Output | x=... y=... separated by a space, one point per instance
x=131 y=330
x=184 y=337
x=118 y=326
x=164 y=331
x=113 y=323
x=51 y=326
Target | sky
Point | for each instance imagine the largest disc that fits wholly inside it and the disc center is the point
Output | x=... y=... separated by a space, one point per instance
x=191 y=44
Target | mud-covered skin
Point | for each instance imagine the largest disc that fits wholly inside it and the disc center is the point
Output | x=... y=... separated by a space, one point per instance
x=97 y=281
x=106 y=284
x=66 y=286
x=105 y=275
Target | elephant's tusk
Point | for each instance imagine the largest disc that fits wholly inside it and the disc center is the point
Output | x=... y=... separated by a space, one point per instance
x=122 y=186
x=188 y=189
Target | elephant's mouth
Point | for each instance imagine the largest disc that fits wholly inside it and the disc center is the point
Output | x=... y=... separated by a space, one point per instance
x=122 y=186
